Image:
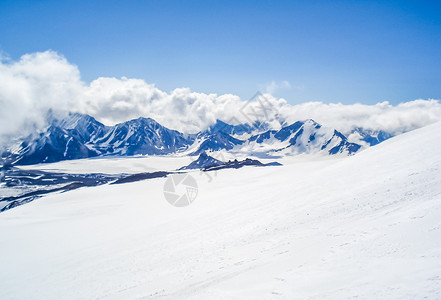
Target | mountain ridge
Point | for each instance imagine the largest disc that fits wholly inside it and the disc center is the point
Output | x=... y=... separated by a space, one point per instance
x=82 y=136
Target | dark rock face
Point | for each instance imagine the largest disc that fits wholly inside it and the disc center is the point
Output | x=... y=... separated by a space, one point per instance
x=236 y=164
x=203 y=161
x=27 y=185
x=141 y=176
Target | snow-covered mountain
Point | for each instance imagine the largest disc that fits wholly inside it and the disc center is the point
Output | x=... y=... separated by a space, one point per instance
x=87 y=129
x=371 y=137
x=237 y=130
x=302 y=137
x=81 y=136
x=299 y=137
x=64 y=139
x=141 y=136
x=214 y=141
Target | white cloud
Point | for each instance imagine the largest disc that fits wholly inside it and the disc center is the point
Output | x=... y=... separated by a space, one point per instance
x=41 y=81
x=34 y=84
x=381 y=116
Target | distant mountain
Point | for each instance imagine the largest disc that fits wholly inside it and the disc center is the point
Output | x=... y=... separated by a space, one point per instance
x=223 y=136
x=372 y=137
x=141 y=136
x=85 y=127
x=303 y=137
x=237 y=130
x=81 y=136
x=215 y=141
x=60 y=140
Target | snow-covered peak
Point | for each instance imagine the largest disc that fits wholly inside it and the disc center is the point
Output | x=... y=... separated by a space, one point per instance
x=81 y=136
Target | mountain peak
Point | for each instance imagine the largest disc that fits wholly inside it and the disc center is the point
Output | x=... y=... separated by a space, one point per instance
x=204 y=161
x=81 y=136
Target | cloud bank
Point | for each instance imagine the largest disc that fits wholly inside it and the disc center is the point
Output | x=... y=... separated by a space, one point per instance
x=41 y=81
x=34 y=84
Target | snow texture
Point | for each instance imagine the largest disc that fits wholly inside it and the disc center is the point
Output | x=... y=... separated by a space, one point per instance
x=363 y=226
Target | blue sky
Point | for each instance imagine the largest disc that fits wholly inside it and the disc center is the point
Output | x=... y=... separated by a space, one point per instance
x=330 y=51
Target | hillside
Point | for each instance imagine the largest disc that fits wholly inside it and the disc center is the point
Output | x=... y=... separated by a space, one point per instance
x=366 y=226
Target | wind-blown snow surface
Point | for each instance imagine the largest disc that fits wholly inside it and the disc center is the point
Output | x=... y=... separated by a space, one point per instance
x=366 y=226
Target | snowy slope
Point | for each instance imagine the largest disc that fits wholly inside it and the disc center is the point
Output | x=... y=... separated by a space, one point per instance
x=115 y=164
x=366 y=226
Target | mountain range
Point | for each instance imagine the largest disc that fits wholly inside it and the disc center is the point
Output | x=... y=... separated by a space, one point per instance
x=81 y=136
